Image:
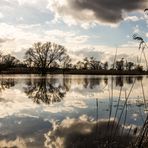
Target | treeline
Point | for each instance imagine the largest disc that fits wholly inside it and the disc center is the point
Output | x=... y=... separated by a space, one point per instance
x=44 y=57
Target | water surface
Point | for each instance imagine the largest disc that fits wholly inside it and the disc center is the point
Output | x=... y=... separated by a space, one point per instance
x=71 y=111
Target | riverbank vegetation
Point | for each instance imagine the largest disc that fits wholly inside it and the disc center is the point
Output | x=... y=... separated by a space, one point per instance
x=53 y=58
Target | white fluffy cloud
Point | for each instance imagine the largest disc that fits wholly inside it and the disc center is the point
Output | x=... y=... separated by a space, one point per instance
x=131 y=18
x=22 y=36
x=14 y=39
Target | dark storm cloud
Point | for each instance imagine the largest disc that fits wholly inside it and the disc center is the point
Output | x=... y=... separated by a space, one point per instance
x=109 y=11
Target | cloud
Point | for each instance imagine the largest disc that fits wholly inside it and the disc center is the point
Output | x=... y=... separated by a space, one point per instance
x=17 y=37
x=1 y=15
x=32 y=3
x=129 y=51
x=18 y=142
x=3 y=40
x=131 y=18
x=84 y=131
x=67 y=36
x=22 y=36
x=94 y=11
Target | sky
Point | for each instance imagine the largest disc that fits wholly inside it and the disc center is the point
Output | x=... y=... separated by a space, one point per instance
x=85 y=27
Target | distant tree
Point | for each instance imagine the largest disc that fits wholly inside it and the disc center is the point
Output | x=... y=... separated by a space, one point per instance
x=0 y=56
x=45 y=55
x=79 y=65
x=94 y=64
x=90 y=63
x=105 y=66
x=28 y=60
x=1 y=59
x=129 y=65
x=120 y=65
x=10 y=61
x=139 y=68
x=86 y=63
x=67 y=62
x=55 y=65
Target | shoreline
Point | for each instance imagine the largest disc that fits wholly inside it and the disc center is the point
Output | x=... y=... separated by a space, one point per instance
x=73 y=72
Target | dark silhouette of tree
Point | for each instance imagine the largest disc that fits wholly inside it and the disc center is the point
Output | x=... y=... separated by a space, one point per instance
x=120 y=65
x=1 y=57
x=45 y=55
x=1 y=61
x=94 y=64
x=9 y=61
x=139 y=68
x=66 y=62
x=86 y=63
x=89 y=64
x=80 y=65
x=129 y=66
x=105 y=67
x=45 y=90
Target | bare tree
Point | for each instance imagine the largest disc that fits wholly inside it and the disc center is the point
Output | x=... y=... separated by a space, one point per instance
x=45 y=55
x=10 y=61
x=67 y=62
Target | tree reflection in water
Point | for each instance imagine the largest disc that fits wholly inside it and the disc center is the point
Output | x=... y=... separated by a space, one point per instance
x=46 y=90
x=50 y=90
x=92 y=82
x=121 y=80
x=114 y=132
x=6 y=83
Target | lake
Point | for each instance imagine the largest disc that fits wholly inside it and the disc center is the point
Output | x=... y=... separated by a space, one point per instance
x=73 y=111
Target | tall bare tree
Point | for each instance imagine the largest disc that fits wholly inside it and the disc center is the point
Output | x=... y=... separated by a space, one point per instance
x=44 y=55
